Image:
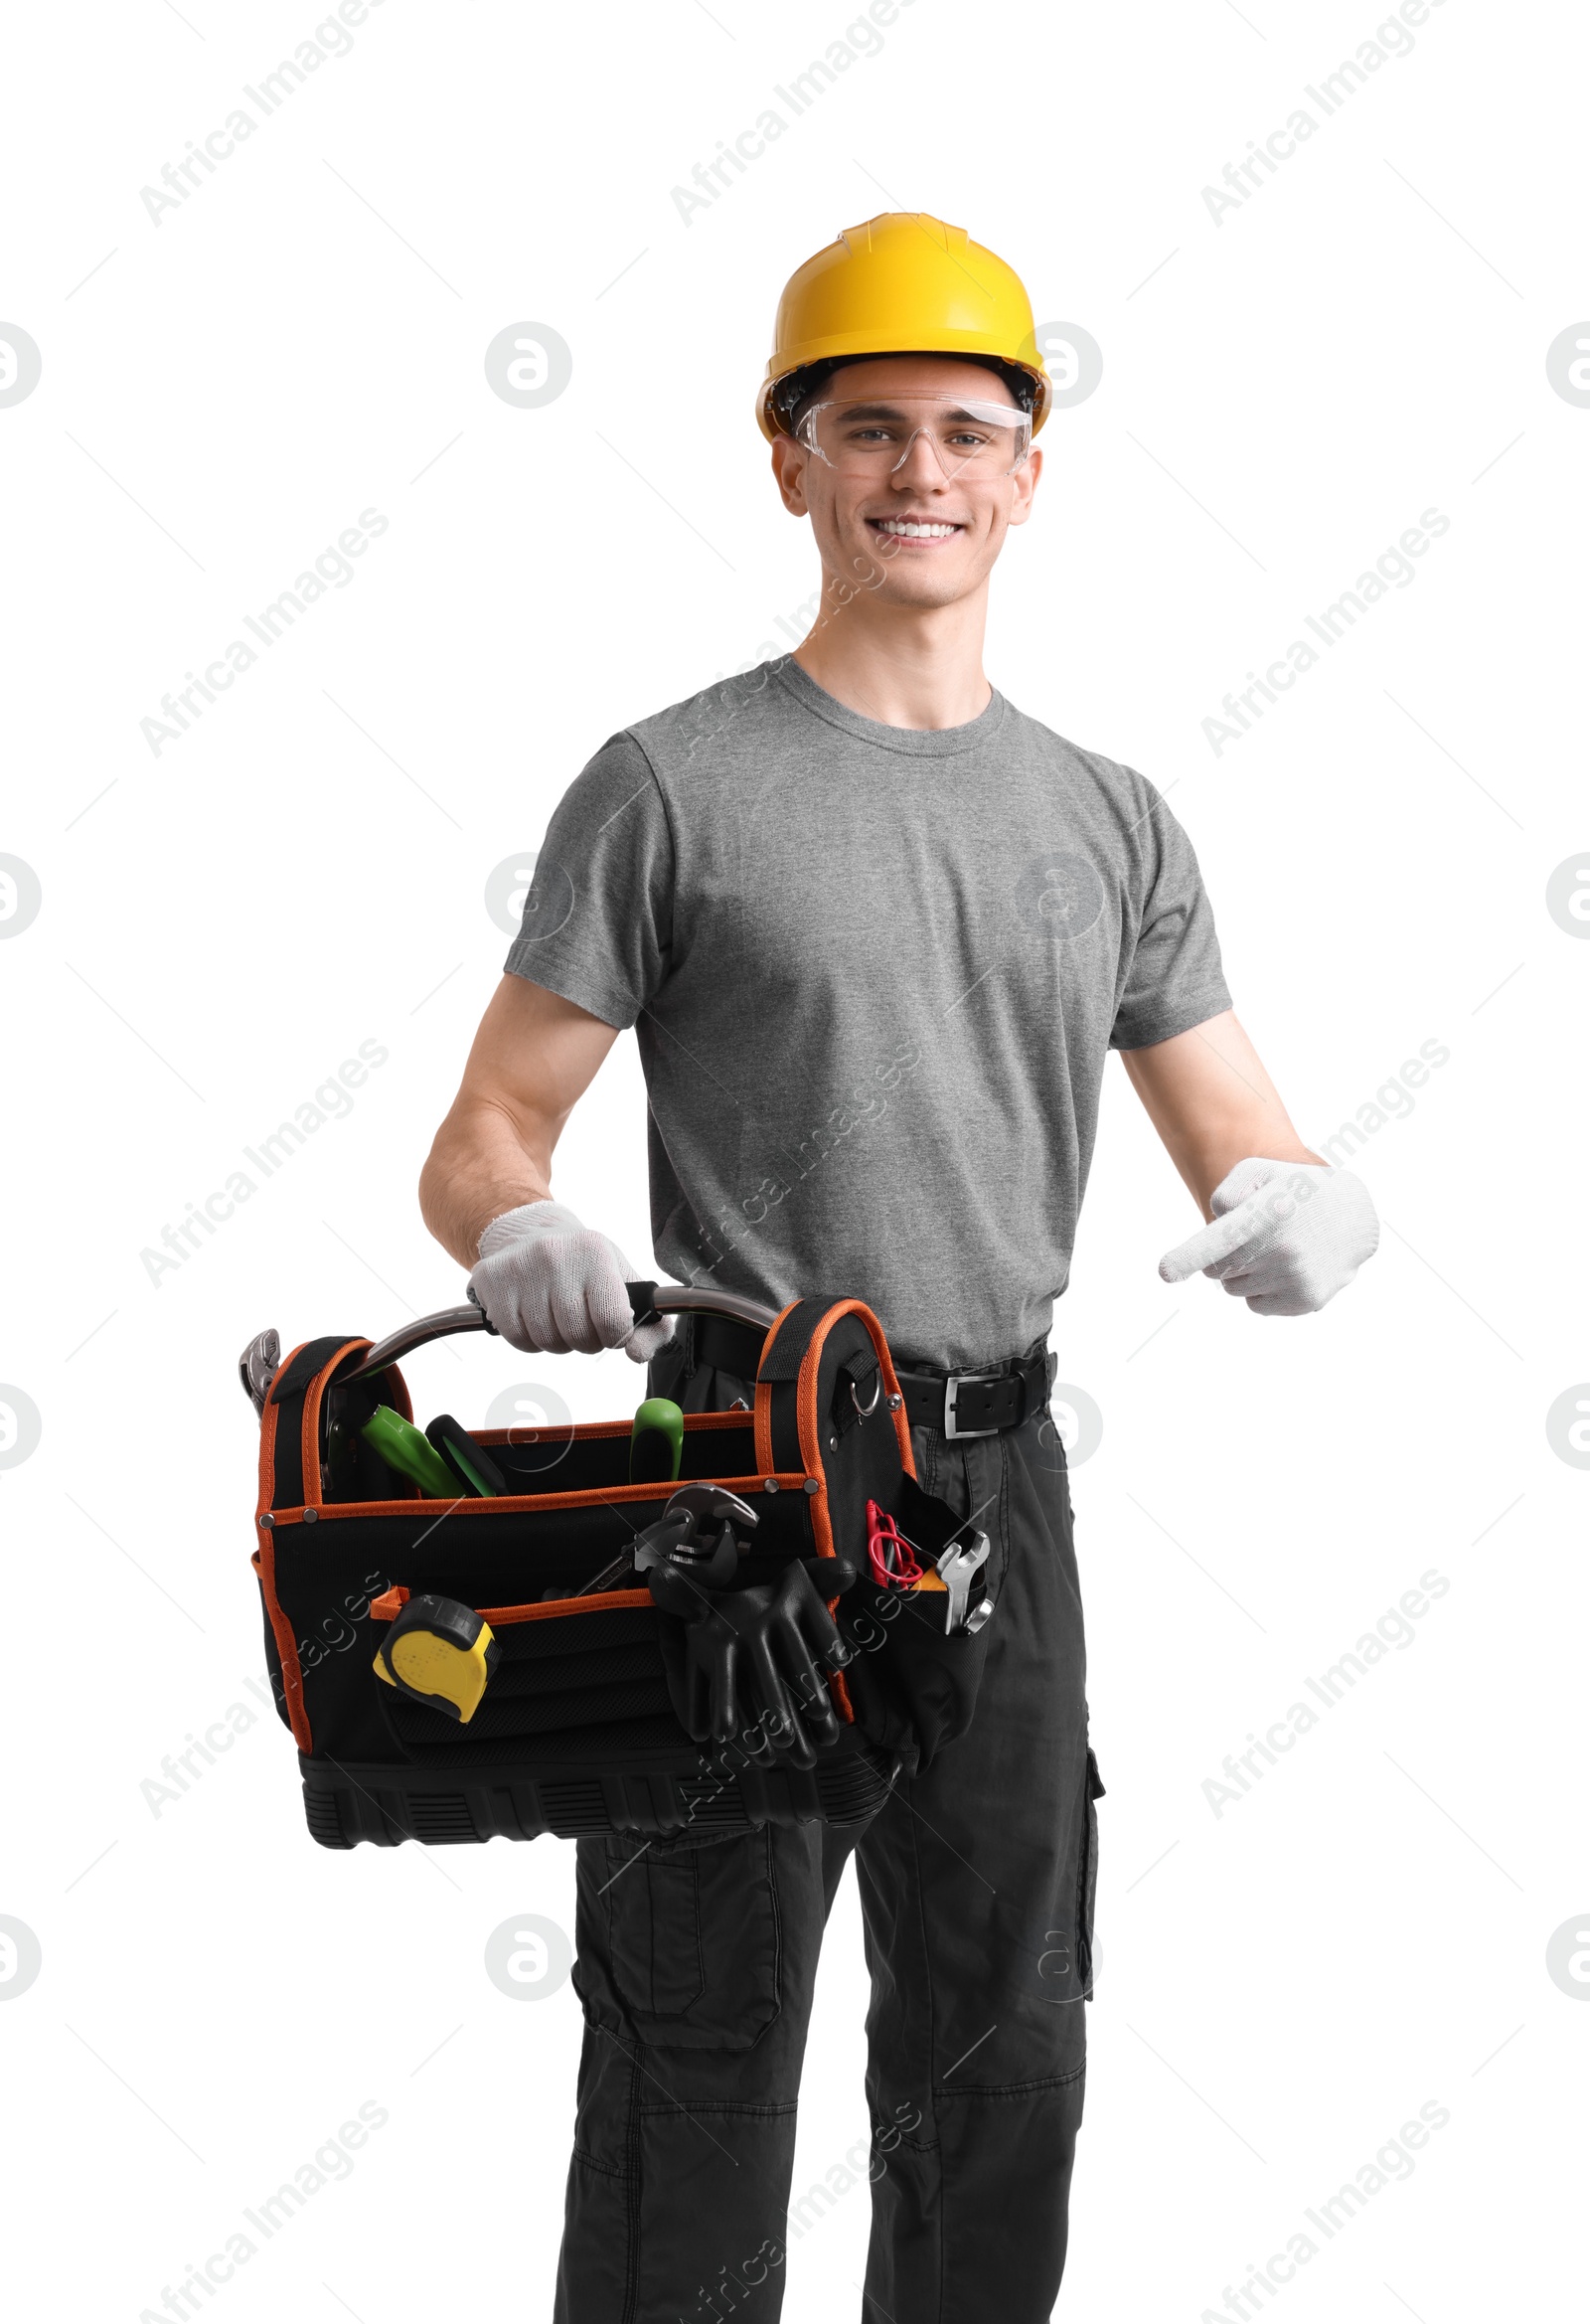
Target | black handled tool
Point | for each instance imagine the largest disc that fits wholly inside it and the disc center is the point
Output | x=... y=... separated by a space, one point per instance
x=468 y=1461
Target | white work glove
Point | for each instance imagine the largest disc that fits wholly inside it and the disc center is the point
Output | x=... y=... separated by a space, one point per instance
x=552 y=1286
x=1285 y=1235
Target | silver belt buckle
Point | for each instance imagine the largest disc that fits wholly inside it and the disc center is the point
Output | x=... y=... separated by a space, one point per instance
x=955 y=1382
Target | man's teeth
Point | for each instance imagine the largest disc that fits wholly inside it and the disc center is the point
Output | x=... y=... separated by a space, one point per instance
x=911 y=532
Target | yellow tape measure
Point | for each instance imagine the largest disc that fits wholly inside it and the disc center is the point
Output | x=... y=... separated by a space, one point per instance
x=439 y=1653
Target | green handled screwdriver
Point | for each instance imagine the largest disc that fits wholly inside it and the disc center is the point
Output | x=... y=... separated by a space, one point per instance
x=656 y=1442
x=403 y=1447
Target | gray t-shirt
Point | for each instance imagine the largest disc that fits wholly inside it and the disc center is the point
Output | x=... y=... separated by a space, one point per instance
x=874 y=974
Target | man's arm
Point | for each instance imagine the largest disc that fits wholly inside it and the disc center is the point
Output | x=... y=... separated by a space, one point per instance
x=1213 y=1104
x=534 y=1058
x=1287 y=1232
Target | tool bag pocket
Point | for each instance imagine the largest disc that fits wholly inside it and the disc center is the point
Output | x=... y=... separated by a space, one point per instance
x=560 y=1670
x=913 y=1685
x=572 y=1679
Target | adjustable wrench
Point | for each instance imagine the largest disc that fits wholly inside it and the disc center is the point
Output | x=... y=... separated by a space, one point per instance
x=695 y=1532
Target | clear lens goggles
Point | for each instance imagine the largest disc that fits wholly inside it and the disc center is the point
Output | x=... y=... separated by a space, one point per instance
x=874 y=436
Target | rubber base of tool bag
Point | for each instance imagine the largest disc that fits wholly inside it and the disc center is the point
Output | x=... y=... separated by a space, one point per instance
x=577 y=1732
x=344 y=1805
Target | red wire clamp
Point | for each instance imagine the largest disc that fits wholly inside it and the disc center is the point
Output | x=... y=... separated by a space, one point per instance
x=888 y=1553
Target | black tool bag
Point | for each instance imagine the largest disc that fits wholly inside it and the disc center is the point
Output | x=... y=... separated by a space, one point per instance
x=576 y=1731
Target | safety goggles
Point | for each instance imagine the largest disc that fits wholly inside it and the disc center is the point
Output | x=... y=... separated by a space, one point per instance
x=875 y=435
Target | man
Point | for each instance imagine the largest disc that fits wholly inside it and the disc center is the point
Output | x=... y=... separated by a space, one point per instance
x=875 y=931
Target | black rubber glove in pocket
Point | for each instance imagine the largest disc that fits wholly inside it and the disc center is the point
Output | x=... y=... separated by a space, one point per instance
x=754 y=1661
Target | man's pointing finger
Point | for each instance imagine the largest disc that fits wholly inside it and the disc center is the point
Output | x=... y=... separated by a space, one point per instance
x=1208 y=1246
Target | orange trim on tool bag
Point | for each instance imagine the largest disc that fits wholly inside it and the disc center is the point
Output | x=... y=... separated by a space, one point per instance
x=391 y=1603
x=314 y=1395
x=474 y=1505
x=264 y=1557
x=892 y=1386
x=591 y=1431
x=268 y=1439
x=811 y=1435
x=267 y=1460
x=809 y=1438
x=267 y=1420
x=292 y=1682
x=497 y=1616
x=264 y=1565
x=764 y=1393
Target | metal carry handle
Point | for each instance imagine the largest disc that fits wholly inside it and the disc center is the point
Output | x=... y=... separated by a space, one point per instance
x=647 y=1301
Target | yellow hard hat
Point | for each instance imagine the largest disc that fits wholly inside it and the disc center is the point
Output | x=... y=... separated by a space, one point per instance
x=904 y=283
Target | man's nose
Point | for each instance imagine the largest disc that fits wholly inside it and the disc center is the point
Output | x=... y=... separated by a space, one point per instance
x=921 y=462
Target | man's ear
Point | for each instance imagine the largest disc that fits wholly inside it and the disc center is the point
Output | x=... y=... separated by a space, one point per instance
x=789 y=471
x=1025 y=482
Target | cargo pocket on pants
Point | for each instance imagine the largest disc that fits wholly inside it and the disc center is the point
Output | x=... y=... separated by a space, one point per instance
x=1088 y=1876
x=692 y=1941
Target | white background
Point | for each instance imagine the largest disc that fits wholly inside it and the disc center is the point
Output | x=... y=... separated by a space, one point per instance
x=1284 y=393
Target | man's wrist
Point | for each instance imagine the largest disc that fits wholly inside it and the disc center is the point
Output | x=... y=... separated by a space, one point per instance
x=1216 y=1164
x=506 y=1227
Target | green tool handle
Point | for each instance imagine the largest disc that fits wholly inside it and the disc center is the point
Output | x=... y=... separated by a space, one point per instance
x=656 y=1442
x=404 y=1448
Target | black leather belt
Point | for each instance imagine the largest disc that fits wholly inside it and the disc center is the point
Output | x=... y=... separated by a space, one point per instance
x=956 y=1404
x=974 y=1403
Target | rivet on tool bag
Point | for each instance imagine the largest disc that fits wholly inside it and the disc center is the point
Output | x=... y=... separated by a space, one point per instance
x=497 y=1633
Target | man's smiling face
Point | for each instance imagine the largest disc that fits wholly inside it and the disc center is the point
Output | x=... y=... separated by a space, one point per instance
x=915 y=520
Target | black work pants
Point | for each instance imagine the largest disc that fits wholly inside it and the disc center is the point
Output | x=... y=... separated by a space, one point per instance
x=696 y=1957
